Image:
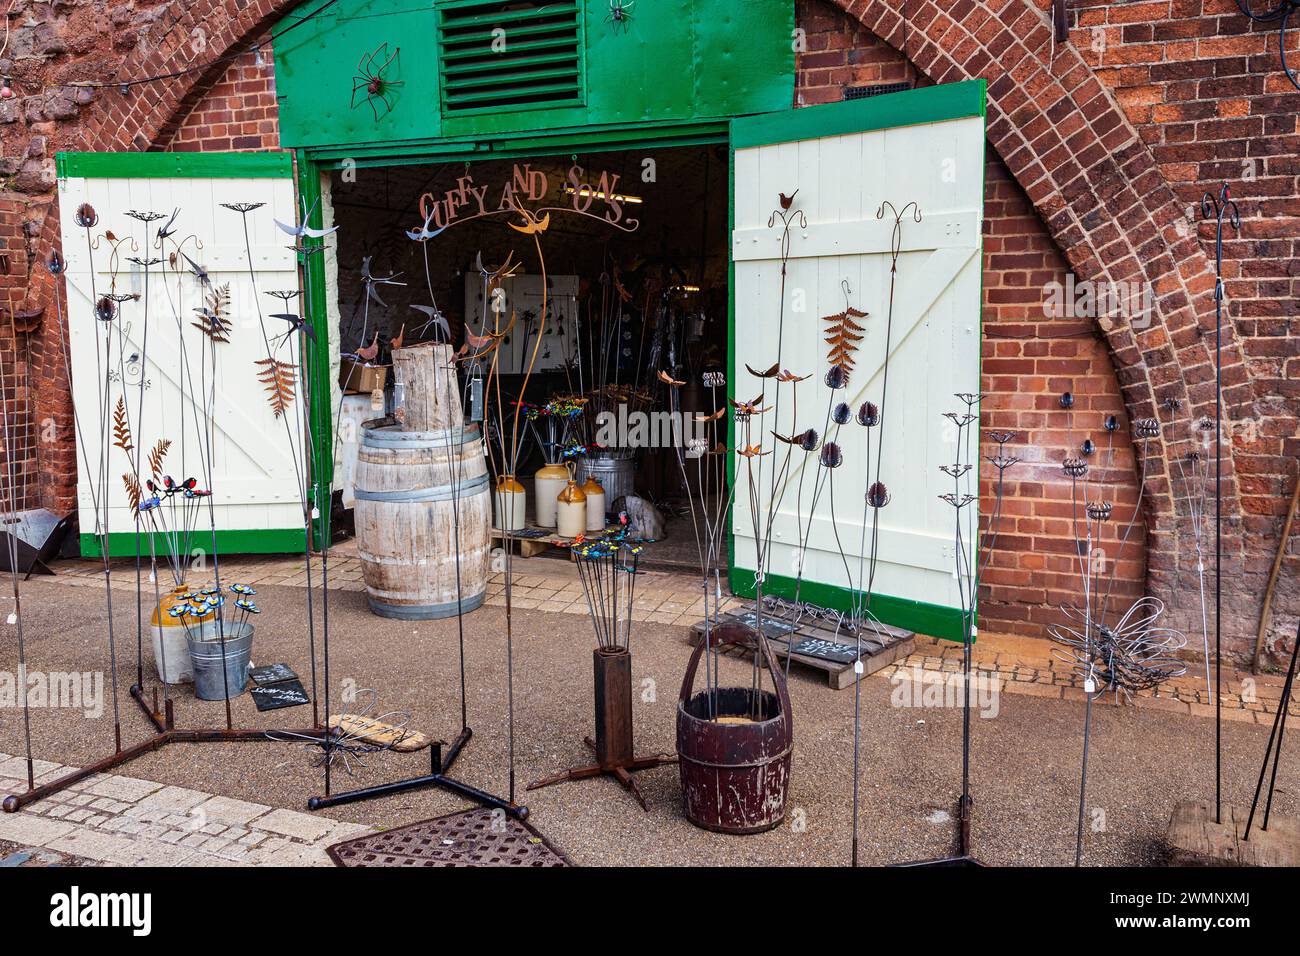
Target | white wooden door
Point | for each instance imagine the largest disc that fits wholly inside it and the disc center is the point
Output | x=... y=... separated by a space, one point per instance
x=847 y=160
x=257 y=462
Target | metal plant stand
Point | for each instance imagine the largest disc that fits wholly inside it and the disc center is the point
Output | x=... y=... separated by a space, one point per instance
x=612 y=670
x=439 y=768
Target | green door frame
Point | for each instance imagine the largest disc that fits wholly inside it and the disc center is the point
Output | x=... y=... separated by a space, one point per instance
x=312 y=163
x=907 y=108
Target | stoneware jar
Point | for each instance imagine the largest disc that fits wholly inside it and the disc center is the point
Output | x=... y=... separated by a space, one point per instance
x=571 y=510
x=595 y=493
x=549 y=481
x=511 y=499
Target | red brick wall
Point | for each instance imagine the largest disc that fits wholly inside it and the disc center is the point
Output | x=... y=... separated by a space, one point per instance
x=1029 y=361
x=239 y=113
x=1205 y=89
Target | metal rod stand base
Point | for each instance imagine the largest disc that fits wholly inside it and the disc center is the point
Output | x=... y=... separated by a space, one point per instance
x=437 y=778
x=620 y=771
x=165 y=732
x=965 y=806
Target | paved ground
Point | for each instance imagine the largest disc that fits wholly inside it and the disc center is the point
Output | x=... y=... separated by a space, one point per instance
x=1026 y=665
x=118 y=820
x=1025 y=777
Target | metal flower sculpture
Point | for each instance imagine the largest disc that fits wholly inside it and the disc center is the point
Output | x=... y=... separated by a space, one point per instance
x=1126 y=657
x=371 y=81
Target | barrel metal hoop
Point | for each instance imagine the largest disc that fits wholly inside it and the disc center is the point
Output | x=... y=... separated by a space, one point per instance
x=440 y=493
x=775 y=758
x=389 y=436
x=426 y=612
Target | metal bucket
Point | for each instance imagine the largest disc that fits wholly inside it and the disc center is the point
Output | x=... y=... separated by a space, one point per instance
x=206 y=657
x=735 y=776
x=617 y=474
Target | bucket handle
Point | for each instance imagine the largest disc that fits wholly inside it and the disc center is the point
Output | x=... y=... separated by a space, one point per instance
x=742 y=635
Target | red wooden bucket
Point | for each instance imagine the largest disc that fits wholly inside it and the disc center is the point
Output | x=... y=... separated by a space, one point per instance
x=735 y=777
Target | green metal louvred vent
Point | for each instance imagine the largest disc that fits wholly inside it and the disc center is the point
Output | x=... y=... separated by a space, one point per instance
x=509 y=54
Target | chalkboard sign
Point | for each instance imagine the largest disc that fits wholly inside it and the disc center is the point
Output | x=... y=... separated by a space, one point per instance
x=772 y=627
x=271 y=674
x=829 y=650
x=288 y=693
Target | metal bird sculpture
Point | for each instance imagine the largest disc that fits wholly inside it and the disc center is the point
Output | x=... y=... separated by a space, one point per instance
x=424 y=233
x=304 y=229
x=197 y=270
x=436 y=318
x=532 y=225
x=296 y=324
x=371 y=280
x=370 y=352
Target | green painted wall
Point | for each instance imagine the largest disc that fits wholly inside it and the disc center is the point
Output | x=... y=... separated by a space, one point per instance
x=679 y=61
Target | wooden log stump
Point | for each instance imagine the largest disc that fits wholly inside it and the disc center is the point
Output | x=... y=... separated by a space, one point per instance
x=430 y=395
x=1196 y=840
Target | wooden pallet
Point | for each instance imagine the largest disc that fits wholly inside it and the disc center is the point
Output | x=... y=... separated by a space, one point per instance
x=1196 y=840
x=528 y=547
x=886 y=645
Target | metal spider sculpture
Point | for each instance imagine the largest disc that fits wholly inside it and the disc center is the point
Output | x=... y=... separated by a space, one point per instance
x=370 y=80
x=350 y=739
x=620 y=14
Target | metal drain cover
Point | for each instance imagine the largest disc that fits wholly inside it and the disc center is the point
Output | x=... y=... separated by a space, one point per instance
x=480 y=837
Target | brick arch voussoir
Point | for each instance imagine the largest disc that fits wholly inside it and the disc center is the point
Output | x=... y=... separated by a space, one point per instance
x=1109 y=209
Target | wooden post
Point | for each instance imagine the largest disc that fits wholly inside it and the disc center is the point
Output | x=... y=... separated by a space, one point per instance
x=613 y=678
x=430 y=402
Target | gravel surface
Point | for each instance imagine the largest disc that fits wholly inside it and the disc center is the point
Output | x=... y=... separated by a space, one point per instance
x=1025 y=760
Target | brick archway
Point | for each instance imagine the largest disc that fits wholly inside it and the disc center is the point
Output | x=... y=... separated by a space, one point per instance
x=1096 y=186
x=1087 y=172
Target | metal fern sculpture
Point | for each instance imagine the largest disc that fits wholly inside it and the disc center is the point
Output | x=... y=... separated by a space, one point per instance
x=280 y=382
x=213 y=314
x=843 y=333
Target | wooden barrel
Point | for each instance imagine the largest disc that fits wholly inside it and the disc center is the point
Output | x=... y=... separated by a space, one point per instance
x=415 y=493
x=735 y=771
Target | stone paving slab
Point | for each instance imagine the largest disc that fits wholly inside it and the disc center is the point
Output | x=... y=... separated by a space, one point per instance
x=124 y=821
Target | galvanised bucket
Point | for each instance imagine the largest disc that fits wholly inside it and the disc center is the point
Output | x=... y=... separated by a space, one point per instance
x=206 y=657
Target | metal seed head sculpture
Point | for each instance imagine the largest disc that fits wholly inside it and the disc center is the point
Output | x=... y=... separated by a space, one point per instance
x=1125 y=655
x=971 y=551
